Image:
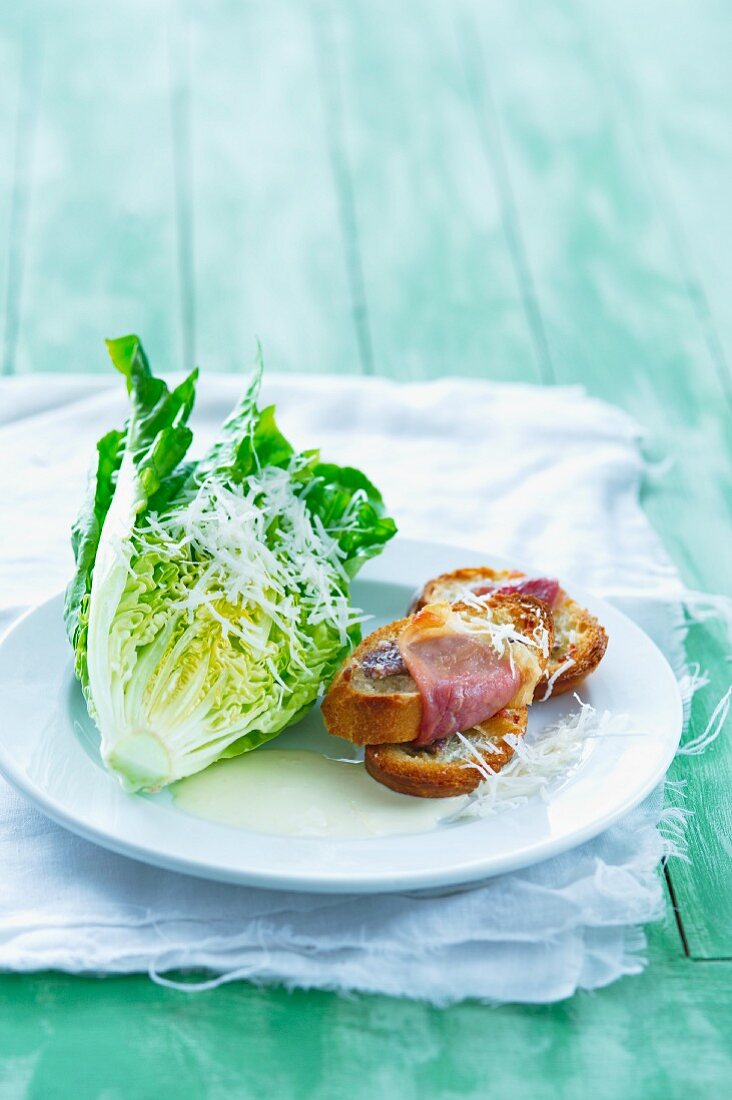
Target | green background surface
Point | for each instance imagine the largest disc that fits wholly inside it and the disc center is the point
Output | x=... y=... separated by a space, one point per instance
x=526 y=191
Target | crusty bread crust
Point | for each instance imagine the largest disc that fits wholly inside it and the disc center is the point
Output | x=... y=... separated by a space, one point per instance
x=578 y=636
x=371 y=714
x=452 y=586
x=371 y=717
x=426 y=774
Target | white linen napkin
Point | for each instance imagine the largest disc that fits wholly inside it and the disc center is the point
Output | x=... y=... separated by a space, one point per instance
x=548 y=477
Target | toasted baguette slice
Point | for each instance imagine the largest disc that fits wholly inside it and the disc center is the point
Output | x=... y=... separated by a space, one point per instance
x=448 y=768
x=373 y=699
x=578 y=636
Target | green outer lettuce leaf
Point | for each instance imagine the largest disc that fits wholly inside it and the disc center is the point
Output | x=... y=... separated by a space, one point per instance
x=85 y=534
x=156 y=436
x=223 y=455
x=330 y=498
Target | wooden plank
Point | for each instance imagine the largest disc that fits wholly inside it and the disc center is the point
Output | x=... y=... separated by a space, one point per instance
x=619 y=317
x=100 y=255
x=677 y=85
x=19 y=77
x=680 y=91
x=660 y=1036
x=268 y=252
x=441 y=287
x=703 y=887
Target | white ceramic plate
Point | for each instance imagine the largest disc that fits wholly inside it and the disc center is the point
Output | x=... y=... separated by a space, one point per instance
x=48 y=750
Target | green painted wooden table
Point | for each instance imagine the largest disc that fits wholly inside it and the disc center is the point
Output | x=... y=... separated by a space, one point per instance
x=526 y=191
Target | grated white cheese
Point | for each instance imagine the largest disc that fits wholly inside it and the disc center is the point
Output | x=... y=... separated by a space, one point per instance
x=256 y=559
x=472 y=748
x=500 y=636
x=539 y=760
x=555 y=676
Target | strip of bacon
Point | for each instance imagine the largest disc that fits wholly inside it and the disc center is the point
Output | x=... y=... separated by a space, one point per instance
x=461 y=679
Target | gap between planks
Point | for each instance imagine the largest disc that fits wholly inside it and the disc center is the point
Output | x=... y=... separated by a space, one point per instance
x=31 y=76
x=489 y=133
x=327 y=59
x=675 y=909
x=180 y=91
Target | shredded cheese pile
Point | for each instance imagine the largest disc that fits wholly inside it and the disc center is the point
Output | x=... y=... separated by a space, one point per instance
x=501 y=636
x=253 y=556
x=539 y=759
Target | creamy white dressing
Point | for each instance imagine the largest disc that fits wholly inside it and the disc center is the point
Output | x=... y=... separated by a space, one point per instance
x=296 y=792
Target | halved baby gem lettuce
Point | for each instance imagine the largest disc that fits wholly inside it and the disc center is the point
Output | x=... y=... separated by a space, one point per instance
x=210 y=602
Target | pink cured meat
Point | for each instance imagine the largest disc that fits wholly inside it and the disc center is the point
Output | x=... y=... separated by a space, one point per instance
x=543 y=588
x=461 y=679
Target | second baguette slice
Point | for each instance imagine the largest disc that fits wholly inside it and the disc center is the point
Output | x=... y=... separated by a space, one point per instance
x=452 y=767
